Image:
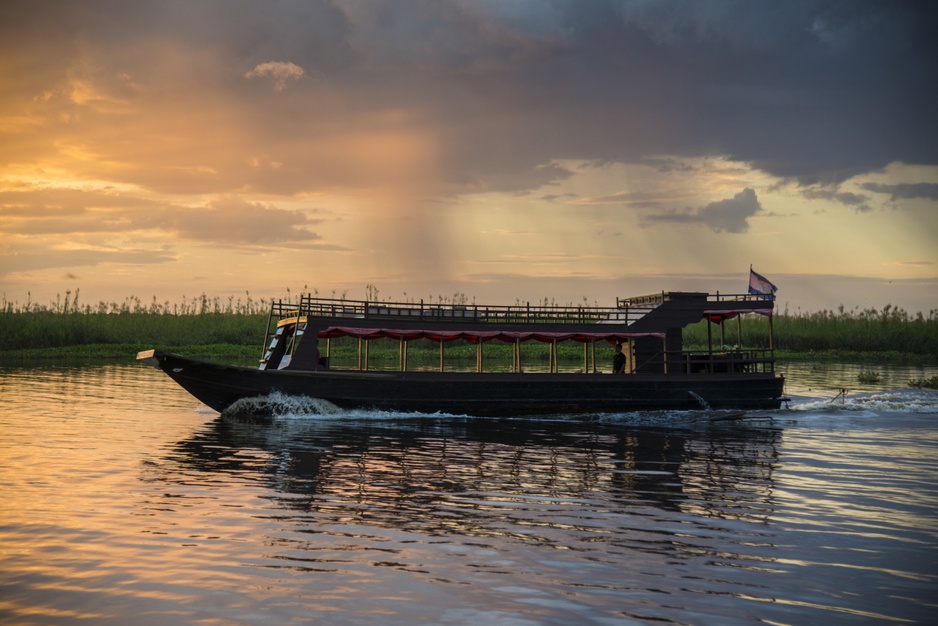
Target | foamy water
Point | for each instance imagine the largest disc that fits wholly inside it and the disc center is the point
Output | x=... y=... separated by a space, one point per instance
x=125 y=502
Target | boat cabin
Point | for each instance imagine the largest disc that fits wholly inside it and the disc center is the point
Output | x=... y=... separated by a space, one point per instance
x=300 y=334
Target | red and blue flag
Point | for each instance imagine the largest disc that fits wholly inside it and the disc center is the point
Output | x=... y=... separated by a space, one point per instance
x=759 y=284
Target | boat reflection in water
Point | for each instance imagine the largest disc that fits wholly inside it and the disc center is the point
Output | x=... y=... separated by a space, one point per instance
x=442 y=476
x=115 y=511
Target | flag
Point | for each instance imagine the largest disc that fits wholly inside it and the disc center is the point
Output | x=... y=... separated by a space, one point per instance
x=760 y=284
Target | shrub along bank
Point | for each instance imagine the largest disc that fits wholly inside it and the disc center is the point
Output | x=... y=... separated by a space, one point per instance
x=889 y=334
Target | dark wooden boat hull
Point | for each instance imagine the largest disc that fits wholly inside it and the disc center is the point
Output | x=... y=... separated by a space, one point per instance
x=488 y=394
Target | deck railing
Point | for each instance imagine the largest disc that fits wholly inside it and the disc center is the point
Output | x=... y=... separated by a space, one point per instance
x=525 y=313
x=627 y=312
x=747 y=360
x=654 y=299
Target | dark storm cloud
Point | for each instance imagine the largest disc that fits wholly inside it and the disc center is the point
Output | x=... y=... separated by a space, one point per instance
x=816 y=91
x=730 y=215
x=858 y=201
x=905 y=191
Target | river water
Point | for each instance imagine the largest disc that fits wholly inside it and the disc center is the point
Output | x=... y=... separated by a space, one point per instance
x=124 y=502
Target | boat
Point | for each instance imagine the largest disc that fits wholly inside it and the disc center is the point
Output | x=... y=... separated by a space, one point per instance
x=300 y=357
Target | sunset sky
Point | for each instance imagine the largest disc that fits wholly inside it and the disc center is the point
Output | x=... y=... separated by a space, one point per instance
x=508 y=150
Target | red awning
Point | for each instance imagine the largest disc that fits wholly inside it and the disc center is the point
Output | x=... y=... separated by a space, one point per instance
x=719 y=315
x=475 y=336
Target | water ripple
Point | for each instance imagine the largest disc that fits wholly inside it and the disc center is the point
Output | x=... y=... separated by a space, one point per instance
x=123 y=500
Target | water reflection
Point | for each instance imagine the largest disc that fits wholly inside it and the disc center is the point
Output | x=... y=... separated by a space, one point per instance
x=124 y=502
x=826 y=379
x=440 y=477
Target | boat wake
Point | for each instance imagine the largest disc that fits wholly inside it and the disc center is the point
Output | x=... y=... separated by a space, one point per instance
x=898 y=401
x=278 y=406
x=264 y=409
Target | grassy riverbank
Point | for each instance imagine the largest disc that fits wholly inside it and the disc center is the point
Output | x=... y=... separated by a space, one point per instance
x=90 y=334
x=207 y=329
x=887 y=331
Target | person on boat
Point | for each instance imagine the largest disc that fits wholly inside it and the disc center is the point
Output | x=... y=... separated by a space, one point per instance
x=618 y=361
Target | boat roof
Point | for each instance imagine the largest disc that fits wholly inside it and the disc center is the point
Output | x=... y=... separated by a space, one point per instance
x=409 y=334
x=649 y=315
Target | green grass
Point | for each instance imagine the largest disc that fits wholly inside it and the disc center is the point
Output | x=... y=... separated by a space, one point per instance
x=41 y=330
x=128 y=351
x=889 y=334
x=211 y=328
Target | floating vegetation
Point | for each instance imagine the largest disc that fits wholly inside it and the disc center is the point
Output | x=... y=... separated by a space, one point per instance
x=924 y=383
x=869 y=378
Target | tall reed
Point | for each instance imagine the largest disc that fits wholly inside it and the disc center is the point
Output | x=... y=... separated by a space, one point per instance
x=890 y=329
x=197 y=321
x=202 y=320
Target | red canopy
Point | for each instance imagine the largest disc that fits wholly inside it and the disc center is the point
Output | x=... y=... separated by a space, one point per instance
x=717 y=316
x=475 y=336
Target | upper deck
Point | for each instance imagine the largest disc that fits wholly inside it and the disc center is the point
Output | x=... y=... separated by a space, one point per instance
x=652 y=313
x=649 y=326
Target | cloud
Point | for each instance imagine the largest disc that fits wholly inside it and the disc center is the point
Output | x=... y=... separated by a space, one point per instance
x=235 y=221
x=279 y=71
x=636 y=199
x=29 y=261
x=35 y=210
x=784 y=89
x=228 y=221
x=667 y=165
x=911 y=263
x=905 y=191
x=730 y=215
x=860 y=202
x=812 y=91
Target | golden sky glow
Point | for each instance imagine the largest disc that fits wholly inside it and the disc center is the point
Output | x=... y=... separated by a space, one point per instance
x=504 y=151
